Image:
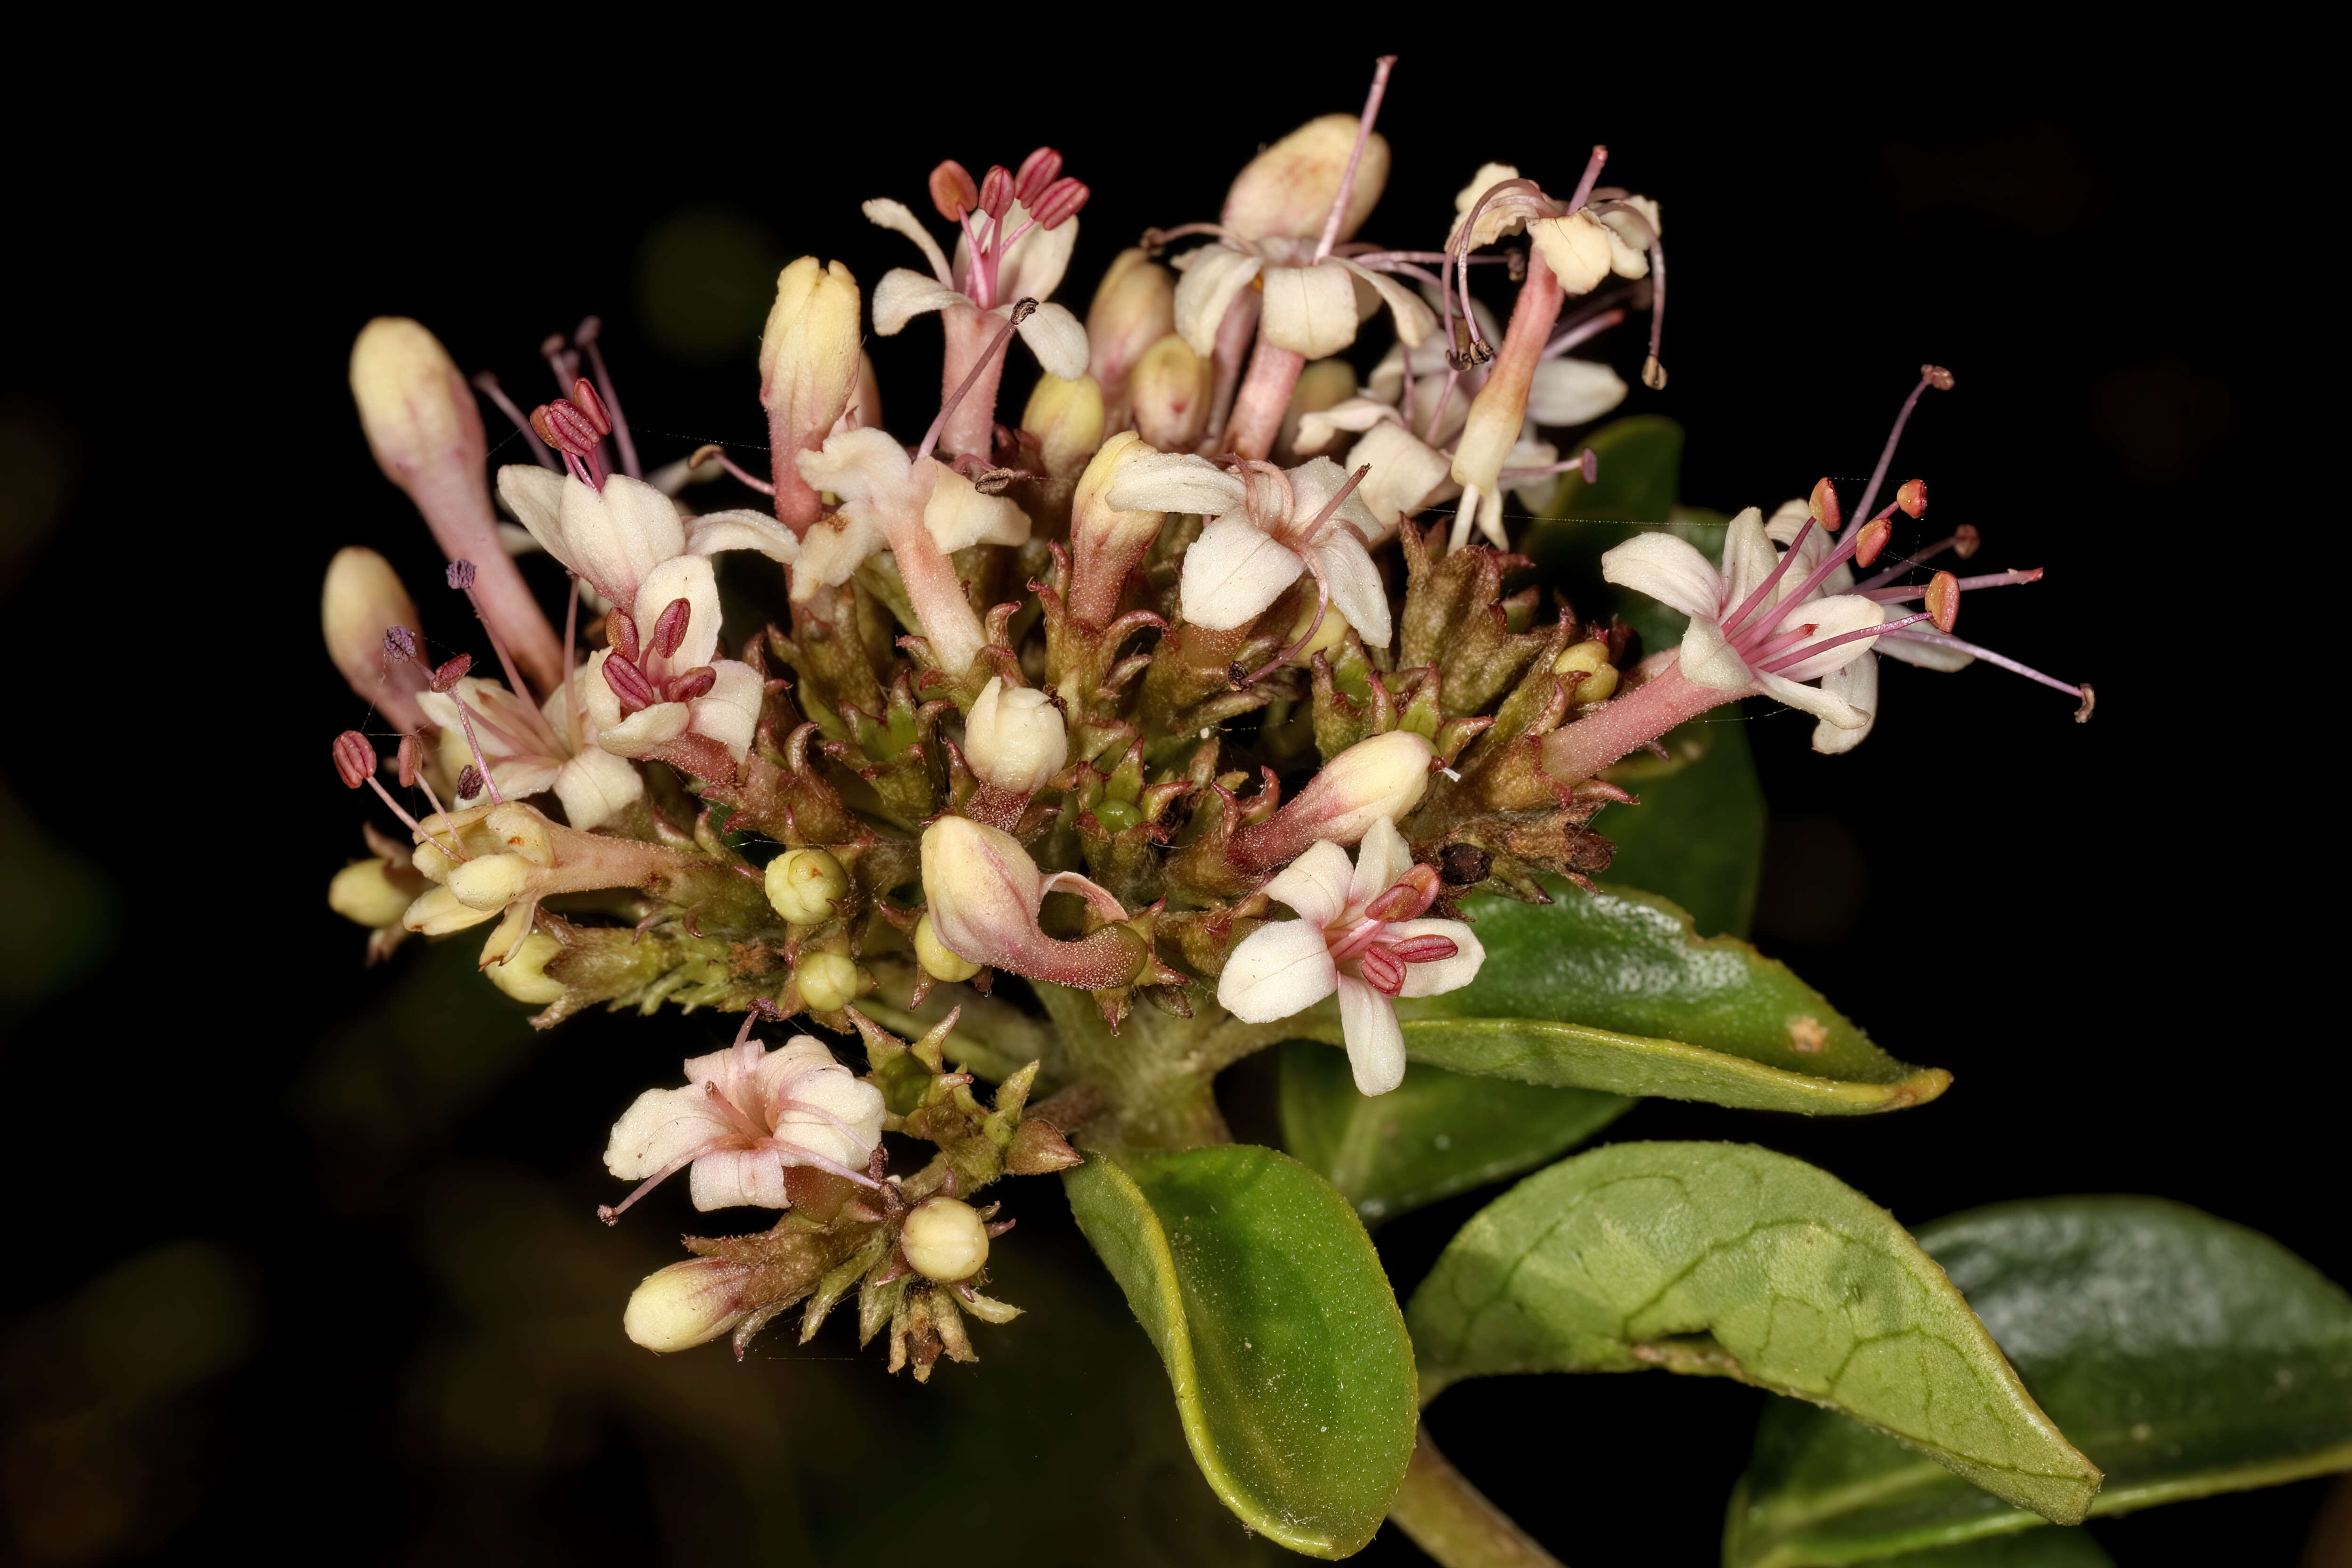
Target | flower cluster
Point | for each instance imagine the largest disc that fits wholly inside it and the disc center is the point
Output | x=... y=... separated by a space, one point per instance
x=1089 y=699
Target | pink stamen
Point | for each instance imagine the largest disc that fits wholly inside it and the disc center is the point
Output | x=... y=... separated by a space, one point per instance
x=461 y=575
x=488 y=385
x=1591 y=177
x=1579 y=333
x=590 y=330
x=1940 y=639
x=1989 y=580
x=611 y=1213
x=1930 y=375
x=1381 y=70
x=1809 y=649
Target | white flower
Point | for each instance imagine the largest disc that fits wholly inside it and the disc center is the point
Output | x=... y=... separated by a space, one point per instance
x=745 y=1114
x=1358 y=935
x=1268 y=526
x=1758 y=624
x=612 y=539
x=530 y=750
x=1030 y=267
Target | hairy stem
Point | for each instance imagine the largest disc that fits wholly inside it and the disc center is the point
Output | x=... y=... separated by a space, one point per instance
x=1452 y=1521
x=1580 y=749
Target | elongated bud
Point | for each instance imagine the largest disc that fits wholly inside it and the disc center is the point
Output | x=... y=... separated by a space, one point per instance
x=524 y=977
x=363 y=601
x=1169 y=394
x=1105 y=542
x=1134 y=307
x=804 y=883
x=945 y=1239
x=1824 y=506
x=984 y=892
x=688 y=1304
x=420 y=422
x=1384 y=776
x=1287 y=190
x=1014 y=739
x=1913 y=497
x=1066 y=418
x=808 y=373
x=367 y=893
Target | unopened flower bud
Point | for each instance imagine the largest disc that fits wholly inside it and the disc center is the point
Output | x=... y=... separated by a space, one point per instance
x=524 y=977
x=945 y=1239
x=688 y=1304
x=1324 y=383
x=1913 y=497
x=1105 y=542
x=804 y=883
x=1135 y=307
x=1014 y=739
x=1382 y=777
x=984 y=893
x=827 y=981
x=363 y=605
x=1169 y=394
x=489 y=881
x=365 y=893
x=1589 y=660
x=808 y=373
x=420 y=422
x=937 y=960
x=1066 y=418
x=1287 y=190
x=1327 y=636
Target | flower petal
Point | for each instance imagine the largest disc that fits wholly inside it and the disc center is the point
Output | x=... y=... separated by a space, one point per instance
x=1857 y=687
x=904 y=294
x=957 y=516
x=1310 y=311
x=1175 y=481
x=595 y=786
x=729 y=711
x=1206 y=291
x=687 y=577
x=535 y=495
x=726 y=1178
x=1441 y=975
x=1668 y=570
x=1368 y=1021
x=1234 y=572
x=1414 y=320
x=1032 y=268
x=1748 y=557
x=1572 y=391
x=883 y=213
x=1826 y=706
x=1316 y=884
x=1577 y=249
x=1925 y=655
x=1356 y=587
x=647 y=728
x=1056 y=337
x=1708 y=659
x=1382 y=857
x=1833 y=617
x=1406 y=472
x=833 y=550
x=661 y=1127
x=1281 y=968
x=1314 y=482
x=741 y=529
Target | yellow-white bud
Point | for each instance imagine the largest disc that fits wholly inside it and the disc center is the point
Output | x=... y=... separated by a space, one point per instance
x=1382 y=777
x=1325 y=384
x=363 y=599
x=1066 y=418
x=524 y=977
x=1014 y=739
x=1135 y=307
x=827 y=981
x=1169 y=393
x=1105 y=542
x=1288 y=189
x=686 y=1304
x=364 y=892
x=945 y=1239
x=1590 y=660
x=413 y=403
x=1327 y=638
x=803 y=884
x=937 y=960
x=810 y=370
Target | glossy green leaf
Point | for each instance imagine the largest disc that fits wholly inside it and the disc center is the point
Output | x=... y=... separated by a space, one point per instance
x=1436 y=1134
x=2185 y=1354
x=1636 y=492
x=1728 y=1260
x=2048 y=1547
x=1612 y=991
x=1697 y=835
x=1266 y=1302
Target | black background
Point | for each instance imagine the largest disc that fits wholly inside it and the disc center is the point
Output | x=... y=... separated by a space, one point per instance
x=2092 y=926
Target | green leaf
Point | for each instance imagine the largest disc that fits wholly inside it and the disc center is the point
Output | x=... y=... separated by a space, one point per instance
x=1698 y=837
x=1789 y=1279
x=1612 y=991
x=1436 y=1134
x=2044 y=1548
x=1265 y=1300
x=1640 y=464
x=2185 y=1354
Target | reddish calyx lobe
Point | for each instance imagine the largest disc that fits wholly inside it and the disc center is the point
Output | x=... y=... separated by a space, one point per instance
x=626 y=668
x=575 y=426
x=1378 y=959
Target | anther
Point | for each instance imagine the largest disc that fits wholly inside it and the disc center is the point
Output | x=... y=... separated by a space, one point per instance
x=399 y=645
x=1943 y=601
x=469 y=782
x=1937 y=376
x=1824 y=506
x=412 y=758
x=696 y=682
x=1058 y=202
x=1872 y=540
x=996 y=192
x=449 y=674
x=1038 y=169
x=488 y=385
x=670 y=630
x=621 y=632
x=1964 y=541
x=461 y=575
x=584 y=397
x=1653 y=374
x=354 y=759
x=953 y=192
x=1913 y=497
x=1589 y=466
x=629 y=683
